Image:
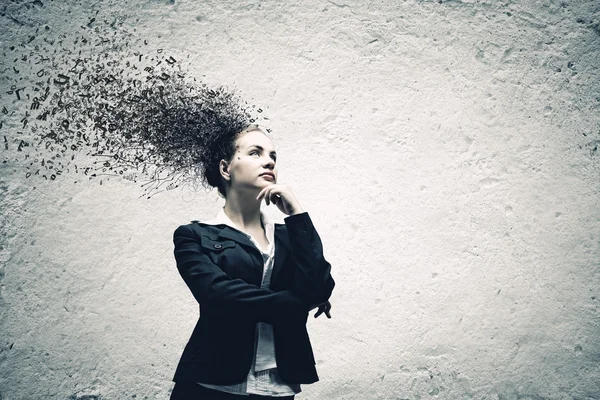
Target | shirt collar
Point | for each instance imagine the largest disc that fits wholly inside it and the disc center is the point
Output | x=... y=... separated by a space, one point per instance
x=222 y=218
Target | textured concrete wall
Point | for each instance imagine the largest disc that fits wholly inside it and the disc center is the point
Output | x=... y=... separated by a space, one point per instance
x=446 y=151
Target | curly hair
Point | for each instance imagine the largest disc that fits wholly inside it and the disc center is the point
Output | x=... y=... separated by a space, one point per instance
x=221 y=146
x=165 y=126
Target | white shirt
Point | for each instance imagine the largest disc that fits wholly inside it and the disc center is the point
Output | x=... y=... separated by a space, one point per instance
x=263 y=378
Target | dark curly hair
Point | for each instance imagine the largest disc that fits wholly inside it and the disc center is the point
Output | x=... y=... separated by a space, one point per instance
x=221 y=146
x=189 y=128
x=174 y=130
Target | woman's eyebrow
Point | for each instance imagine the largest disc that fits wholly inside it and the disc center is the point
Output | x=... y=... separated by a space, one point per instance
x=260 y=147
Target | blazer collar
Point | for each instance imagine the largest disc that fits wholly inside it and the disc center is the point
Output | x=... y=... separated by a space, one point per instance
x=226 y=229
x=228 y=232
x=222 y=219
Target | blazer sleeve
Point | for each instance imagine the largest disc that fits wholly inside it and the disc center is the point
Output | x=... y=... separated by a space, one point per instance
x=313 y=283
x=211 y=285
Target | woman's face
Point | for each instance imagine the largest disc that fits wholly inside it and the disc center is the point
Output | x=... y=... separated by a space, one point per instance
x=254 y=156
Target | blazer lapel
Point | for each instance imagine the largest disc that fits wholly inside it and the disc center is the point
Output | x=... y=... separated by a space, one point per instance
x=282 y=249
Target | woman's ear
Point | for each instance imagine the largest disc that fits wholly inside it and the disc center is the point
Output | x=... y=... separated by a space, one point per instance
x=224 y=169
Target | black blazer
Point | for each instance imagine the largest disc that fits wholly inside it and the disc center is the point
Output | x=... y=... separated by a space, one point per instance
x=223 y=269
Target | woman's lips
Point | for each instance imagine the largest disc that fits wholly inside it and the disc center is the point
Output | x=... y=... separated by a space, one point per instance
x=268 y=176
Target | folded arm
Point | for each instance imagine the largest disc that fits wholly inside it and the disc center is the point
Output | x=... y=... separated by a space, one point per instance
x=313 y=283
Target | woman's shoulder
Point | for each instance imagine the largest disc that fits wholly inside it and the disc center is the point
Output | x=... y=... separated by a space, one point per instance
x=198 y=226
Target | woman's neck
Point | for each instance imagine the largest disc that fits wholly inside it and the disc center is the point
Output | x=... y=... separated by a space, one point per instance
x=244 y=211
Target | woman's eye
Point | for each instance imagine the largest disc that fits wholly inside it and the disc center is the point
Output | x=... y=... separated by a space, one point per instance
x=253 y=152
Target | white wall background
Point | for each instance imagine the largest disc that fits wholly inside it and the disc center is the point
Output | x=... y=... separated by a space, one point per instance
x=445 y=150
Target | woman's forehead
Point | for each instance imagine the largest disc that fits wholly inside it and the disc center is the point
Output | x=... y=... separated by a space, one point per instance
x=255 y=137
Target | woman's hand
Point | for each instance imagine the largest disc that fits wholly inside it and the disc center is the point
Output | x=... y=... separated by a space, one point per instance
x=324 y=308
x=282 y=196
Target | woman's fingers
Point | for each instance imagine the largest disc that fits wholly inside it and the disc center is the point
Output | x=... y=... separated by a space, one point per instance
x=324 y=308
x=276 y=199
x=271 y=194
x=264 y=193
x=280 y=195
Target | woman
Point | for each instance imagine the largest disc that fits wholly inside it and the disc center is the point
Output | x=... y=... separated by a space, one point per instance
x=255 y=280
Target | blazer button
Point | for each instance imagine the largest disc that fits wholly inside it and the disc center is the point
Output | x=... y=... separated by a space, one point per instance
x=218 y=245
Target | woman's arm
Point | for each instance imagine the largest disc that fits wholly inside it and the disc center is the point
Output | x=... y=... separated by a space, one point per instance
x=313 y=283
x=210 y=285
